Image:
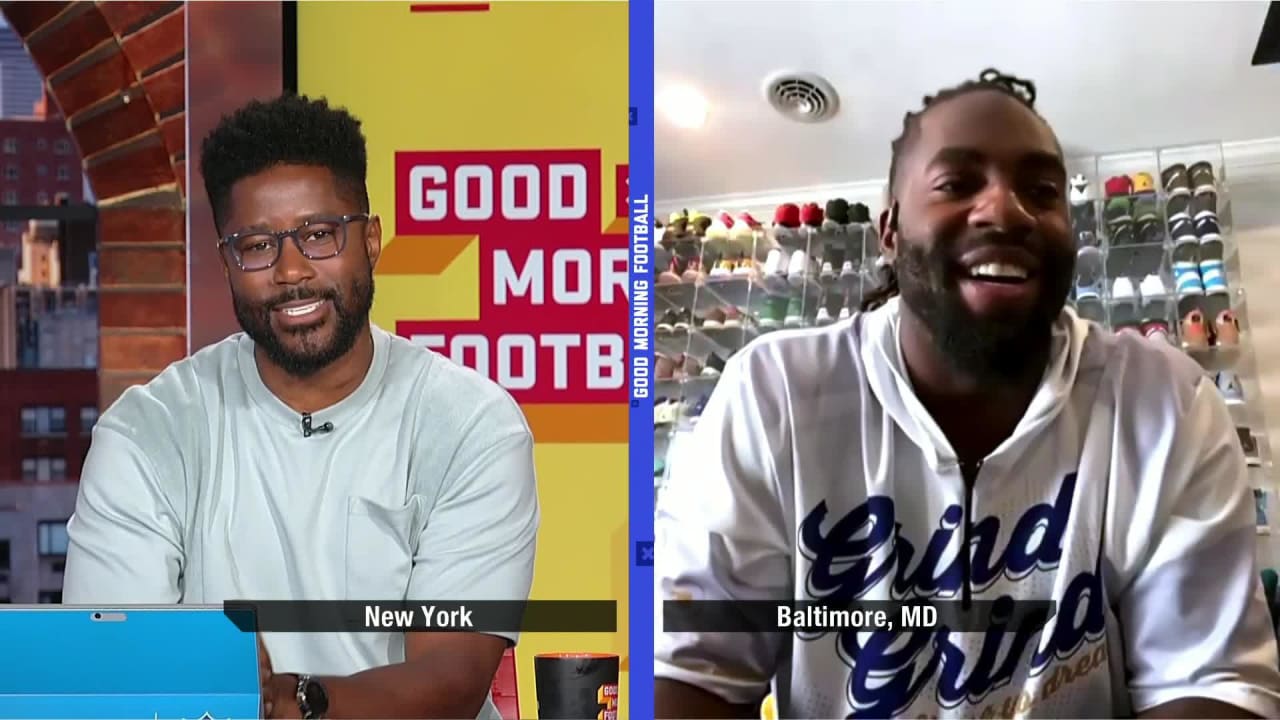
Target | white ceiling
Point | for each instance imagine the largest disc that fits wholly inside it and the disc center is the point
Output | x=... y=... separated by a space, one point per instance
x=1111 y=76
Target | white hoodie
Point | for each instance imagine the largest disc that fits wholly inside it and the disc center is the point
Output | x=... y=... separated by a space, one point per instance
x=1121 y=495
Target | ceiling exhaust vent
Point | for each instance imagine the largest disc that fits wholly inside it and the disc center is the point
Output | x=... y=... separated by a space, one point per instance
x=803 y=97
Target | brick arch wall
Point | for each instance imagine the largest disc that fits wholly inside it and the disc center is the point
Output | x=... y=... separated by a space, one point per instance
x=117 y=71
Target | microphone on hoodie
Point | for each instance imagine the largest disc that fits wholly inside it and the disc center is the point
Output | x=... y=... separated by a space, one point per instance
x=308 y=430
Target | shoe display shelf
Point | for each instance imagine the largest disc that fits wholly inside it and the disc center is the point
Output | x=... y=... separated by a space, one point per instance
x=1155 y=256
x=720 y=283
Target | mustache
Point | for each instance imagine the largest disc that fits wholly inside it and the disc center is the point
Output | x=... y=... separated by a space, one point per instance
x=298 y=294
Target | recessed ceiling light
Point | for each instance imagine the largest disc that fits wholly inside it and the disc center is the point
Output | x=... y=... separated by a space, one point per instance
x=683 y=106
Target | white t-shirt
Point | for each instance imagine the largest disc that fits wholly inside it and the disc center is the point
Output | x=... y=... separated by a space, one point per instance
x=200 y=487
x=1122 y=496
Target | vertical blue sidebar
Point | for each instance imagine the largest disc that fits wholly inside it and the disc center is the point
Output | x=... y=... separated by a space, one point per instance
x=640 y=194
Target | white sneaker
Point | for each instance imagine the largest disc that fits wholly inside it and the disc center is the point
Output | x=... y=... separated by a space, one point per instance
x=846 y=270
x=776 y=263
x=824 y=316
x=846 y=312
x=828 y=271
x=1152 y=289
x=798 y=268
x=1122 y=291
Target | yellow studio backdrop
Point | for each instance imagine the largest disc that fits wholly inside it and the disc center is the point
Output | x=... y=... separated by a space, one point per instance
x=497 y=161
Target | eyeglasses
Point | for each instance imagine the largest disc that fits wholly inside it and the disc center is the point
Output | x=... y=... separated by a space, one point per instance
x=319 y=239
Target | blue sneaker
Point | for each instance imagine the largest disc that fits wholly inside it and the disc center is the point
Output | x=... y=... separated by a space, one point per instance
x=1186 y=280
x=1213 y=277
x=1088 y=290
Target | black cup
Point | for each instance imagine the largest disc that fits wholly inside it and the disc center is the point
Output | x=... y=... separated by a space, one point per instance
x=576 y=686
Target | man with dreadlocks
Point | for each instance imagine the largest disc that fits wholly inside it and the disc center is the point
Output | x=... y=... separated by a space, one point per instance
x=969 y=441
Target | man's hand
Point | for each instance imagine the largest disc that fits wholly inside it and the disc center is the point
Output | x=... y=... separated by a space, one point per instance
x=279 y=692
x=280 y=698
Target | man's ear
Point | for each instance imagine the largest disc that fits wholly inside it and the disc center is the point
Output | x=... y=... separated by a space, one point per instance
x=373 y=240
x=889 y=231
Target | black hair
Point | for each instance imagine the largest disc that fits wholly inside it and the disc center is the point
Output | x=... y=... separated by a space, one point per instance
x=1020 y=89
x=289 y=130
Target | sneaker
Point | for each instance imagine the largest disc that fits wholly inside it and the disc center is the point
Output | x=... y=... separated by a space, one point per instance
x=1149 y=232
x=846 y=312
x=1202 y=177
x=1143 y=183
x=678 y=223
x=1213 y=277
x=1183 y=231
x=714 y=366
x=671 y=276
x=720 y=228
x=1178 y=206
x=1195 y=334
x=699 y=224
x=664 y=411
x=1084 y=217
x=1079 y=189
x=666 y=323
x=1157 y=331
x=837 y=215
x=1186 y=280
x=795 y=313
x=828 y=272
x=1090 y=265
x=723 y=269
x=690 y=366
x=743 y=232
x=1118 y=210
x=1204 y=205
x=776 y=263
x=824 y=317
x=744 y=267
x=1229 y=385
x=799 y=268
x=811 y=215
x=1146 y=209
x=713 y=319
x=1175 y=179
x=1226 y=329
x=666 y=367
x=683 y=321
x=1122 y=233
x=786 y=221
x=847 y=271
x=1122 y=292
x=1118 y=186
x=859 y=213
x=1153 y=289
x=774 y=312
x=1088 y=291
x=693 y=270
x=732 y=317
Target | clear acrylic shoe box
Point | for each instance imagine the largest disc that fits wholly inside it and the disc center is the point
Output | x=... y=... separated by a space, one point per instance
x=722 y=282
x=1155 y=256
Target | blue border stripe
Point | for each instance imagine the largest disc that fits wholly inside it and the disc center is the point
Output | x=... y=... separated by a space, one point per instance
x=640 y=152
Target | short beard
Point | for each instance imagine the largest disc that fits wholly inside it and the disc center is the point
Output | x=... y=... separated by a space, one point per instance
x=351 y=309
x=983 y=349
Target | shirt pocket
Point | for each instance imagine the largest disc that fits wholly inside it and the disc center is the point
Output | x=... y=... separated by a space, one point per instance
x=379 y=550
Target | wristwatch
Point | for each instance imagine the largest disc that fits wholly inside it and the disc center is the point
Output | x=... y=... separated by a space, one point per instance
x=313 y=701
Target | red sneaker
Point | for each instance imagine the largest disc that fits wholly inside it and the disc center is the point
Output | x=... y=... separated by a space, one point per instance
x=1195 y=333
x=1226 y=328
x=1119 y=185
x=787 y=216
x=811 y=215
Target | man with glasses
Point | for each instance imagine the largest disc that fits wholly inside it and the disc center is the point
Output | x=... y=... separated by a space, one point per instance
x=314 y=456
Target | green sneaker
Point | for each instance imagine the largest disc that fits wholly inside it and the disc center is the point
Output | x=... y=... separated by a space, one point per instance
x=775 y=309
x=1145 y=209
x=795 y=313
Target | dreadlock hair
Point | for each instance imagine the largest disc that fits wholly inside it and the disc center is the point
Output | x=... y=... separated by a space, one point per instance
x=1020 y=89
x=289 y=130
